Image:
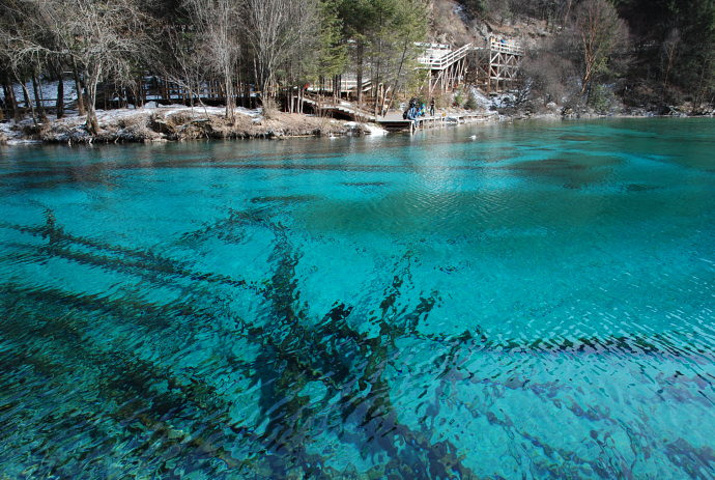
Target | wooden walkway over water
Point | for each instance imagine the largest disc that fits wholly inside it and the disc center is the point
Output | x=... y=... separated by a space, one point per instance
x=393 y=121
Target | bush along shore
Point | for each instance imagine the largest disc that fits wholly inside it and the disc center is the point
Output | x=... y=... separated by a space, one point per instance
x=176 y=123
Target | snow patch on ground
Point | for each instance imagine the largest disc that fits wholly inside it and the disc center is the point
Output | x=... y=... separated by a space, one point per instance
x=8 y=133
x=368 y=128
x=108 y=117
x=482 y=100
x=5 y=129
x=374 y=129
x=47 y=91
x=21 y=141
x=494 y=101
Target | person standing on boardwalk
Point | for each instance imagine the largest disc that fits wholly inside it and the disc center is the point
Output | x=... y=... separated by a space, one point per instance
x=431 y=107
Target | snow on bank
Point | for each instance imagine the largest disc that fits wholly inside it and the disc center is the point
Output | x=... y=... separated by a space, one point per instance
x=47 y=92
x=369 y=128
x=155 y=122
x=109 y=117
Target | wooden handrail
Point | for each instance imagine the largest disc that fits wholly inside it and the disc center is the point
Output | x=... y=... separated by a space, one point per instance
x=504 y=47
x=446 y=60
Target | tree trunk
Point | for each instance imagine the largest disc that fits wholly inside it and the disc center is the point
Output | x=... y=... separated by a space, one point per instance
x=300 y=99
x=25 y=95
x=141 y=99
x=80 y=94
x=589 y=61
x=397 y=77
x=567 y=11
x=60 y=102
x=586 y=80
x=700 y=94
x=10 y=100
x=359 y=57
x=230 y=98
x=38 y=97
x=92 y=123
x=28 y=103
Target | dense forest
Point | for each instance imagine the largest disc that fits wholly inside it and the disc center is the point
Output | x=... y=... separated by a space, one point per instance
x=599 y=54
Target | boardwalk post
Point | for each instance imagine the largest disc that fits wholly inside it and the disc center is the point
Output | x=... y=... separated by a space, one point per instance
x=502 y=64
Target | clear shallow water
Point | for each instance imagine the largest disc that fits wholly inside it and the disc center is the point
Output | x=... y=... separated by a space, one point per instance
x=534 y=303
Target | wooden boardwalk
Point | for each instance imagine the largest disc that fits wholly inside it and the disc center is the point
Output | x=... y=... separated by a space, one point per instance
x=393 y=121
x=344 y=110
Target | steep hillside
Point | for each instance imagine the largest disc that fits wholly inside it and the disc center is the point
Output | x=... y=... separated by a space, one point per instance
x=655 y=58
x=453 y=24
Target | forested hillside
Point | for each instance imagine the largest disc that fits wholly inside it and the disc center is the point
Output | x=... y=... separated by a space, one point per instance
x=598 y=54
x=651 y=54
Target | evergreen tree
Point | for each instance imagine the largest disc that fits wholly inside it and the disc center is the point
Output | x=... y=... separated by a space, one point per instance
x=383 y=32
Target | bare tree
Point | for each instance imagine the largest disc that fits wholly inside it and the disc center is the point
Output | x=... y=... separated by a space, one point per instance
x=99 y=38
x=22 y=49
x=186 y=66
x=217 y=31
x=669 y=51
x=598 y=31
x=277 y=31
x=103 y=37
x=548 y=74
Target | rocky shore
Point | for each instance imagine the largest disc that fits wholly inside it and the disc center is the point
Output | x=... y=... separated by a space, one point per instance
x=175 y=123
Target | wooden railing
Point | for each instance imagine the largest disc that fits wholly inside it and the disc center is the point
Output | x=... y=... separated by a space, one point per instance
x=444 y=61
x=353 y=111
x=346 y=85
x=502 y=46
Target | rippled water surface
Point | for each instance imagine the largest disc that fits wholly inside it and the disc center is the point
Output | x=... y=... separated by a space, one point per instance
x=534 y=302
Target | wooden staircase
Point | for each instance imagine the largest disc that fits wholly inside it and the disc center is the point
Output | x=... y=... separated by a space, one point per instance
x=447 y=67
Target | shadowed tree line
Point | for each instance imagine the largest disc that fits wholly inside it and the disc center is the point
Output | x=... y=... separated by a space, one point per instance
x=598 y=53
x=243 y=48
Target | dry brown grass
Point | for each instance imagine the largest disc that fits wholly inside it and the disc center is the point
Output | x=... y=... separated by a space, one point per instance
x=293 y=124
x=243 y=126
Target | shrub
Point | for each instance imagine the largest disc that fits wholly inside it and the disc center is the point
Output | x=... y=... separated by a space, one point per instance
x=471 y=103
x=459 y=98
x=602 y=99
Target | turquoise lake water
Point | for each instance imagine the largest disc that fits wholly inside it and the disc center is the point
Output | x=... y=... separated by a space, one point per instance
x=530 y=300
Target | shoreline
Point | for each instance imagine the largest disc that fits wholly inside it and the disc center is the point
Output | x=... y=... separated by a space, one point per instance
x=176 y=123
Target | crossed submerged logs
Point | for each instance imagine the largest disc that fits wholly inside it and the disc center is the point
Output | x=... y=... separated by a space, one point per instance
x=290 y=354
x=174 y=412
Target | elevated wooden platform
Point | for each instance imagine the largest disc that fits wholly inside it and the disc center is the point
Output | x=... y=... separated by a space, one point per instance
x=447 y=67
x=499 y=64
